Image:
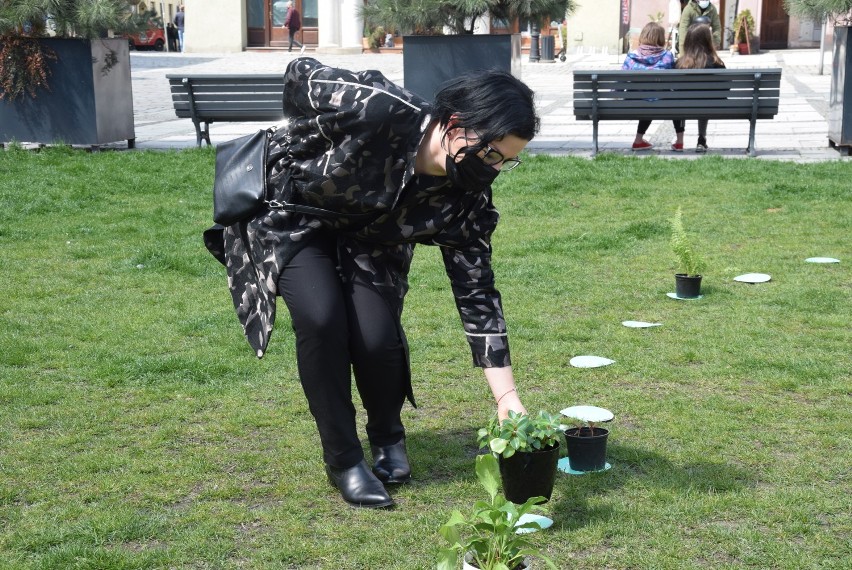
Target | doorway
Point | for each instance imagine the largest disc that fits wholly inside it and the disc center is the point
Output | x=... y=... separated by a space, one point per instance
x=774 y=25
x=265 y=23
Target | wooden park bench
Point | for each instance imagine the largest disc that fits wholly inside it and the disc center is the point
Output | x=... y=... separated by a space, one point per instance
x=667 y=94
x=209 y=98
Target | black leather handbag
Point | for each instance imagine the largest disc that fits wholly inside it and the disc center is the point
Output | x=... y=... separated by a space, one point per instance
x=239 y=185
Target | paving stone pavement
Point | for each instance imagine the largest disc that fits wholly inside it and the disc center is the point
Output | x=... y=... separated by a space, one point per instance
x=798 y=133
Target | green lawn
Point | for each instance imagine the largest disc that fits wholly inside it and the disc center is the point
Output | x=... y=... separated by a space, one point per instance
x=137 y=429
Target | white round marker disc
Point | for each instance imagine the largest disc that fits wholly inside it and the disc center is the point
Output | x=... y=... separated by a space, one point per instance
x=822 y=260
x=753 y=278
x=674 y=296
x=589 y=361
x=543 y=523
x=639 y=324
x=592 y=414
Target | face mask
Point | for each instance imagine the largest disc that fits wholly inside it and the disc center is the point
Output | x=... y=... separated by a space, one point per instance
x=470 y=172
x=704 y=3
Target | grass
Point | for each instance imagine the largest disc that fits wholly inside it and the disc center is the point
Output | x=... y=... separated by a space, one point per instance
x=137 y=430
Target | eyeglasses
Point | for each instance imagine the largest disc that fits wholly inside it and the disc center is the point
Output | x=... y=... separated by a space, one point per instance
x=493 y=156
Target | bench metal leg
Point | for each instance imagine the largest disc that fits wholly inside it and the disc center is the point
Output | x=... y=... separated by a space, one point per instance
x=751 y=150
x=595 y=138
x=202 y=133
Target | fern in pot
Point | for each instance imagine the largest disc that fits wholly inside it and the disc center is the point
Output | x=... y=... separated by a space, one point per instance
x=690 y=263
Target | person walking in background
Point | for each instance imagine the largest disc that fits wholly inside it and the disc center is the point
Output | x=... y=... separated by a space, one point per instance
x=651 y=54
x=701 y=11
x=179 y=20
x=699 y=52
x=293 y=23
x=172 y=36
x=369 y=170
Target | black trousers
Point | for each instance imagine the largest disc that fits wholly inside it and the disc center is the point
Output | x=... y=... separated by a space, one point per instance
x=293 y=39
x=702 y=127
x=679 y=126
x=344 y=328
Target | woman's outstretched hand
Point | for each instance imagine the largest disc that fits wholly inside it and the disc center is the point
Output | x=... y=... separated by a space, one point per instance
x=502 y=383
x=510 y=402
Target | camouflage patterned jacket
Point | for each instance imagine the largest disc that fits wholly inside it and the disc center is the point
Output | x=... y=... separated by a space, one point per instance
x=349 y=148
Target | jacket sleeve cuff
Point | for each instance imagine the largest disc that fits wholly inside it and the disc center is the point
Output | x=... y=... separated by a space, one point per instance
x=489 y=350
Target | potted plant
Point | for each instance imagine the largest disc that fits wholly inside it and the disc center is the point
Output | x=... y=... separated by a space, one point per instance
x=443 y=38
x=375 y=38
x=839 y=12
x=586 y=442
x=61 y=78
x=488 y=538
x=690 y=263
x=744 y=31
x=528 y=451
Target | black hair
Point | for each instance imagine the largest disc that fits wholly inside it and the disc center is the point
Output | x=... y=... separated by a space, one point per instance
x=493 y=103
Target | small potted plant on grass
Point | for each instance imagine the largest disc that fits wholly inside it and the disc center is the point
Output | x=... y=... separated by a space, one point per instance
x=690 y=264
x=528 y=451
x=586 y=443
x=488 y=539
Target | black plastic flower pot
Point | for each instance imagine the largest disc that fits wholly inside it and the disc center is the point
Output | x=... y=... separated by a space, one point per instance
x=529 y=474
x=687 y=286
x=586 y=448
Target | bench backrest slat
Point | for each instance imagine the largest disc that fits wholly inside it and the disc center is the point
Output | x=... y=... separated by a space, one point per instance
x=211 y=97
x=678 y=93
x=766 y=94
x=704 y=85
x=228 y=97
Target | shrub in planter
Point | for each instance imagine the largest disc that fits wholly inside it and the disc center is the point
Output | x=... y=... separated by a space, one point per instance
x=744 y=31
x=453 y=48
x=528 y=451
x=839 y=13
x=487 y=538
x=71 y=85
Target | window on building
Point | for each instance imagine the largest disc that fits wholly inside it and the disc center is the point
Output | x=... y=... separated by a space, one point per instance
x=254 y=14
x=310 y=14
x=500 y=26
x=279 y=12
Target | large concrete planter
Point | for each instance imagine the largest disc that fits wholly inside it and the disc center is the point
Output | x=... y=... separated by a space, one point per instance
x=89 y=100
x=840 y=96
x=429 y=61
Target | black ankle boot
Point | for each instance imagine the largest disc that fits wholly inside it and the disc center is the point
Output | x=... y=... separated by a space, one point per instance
x=390 y=463
x=359 y=487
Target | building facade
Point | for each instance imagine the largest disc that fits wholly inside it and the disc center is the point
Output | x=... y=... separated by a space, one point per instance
x=334 y=26
x=599 y=27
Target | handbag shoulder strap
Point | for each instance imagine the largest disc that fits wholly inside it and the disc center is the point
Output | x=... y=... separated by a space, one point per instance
x=314 y=211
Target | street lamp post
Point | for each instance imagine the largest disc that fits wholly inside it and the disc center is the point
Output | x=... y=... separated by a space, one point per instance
x=535 y=33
